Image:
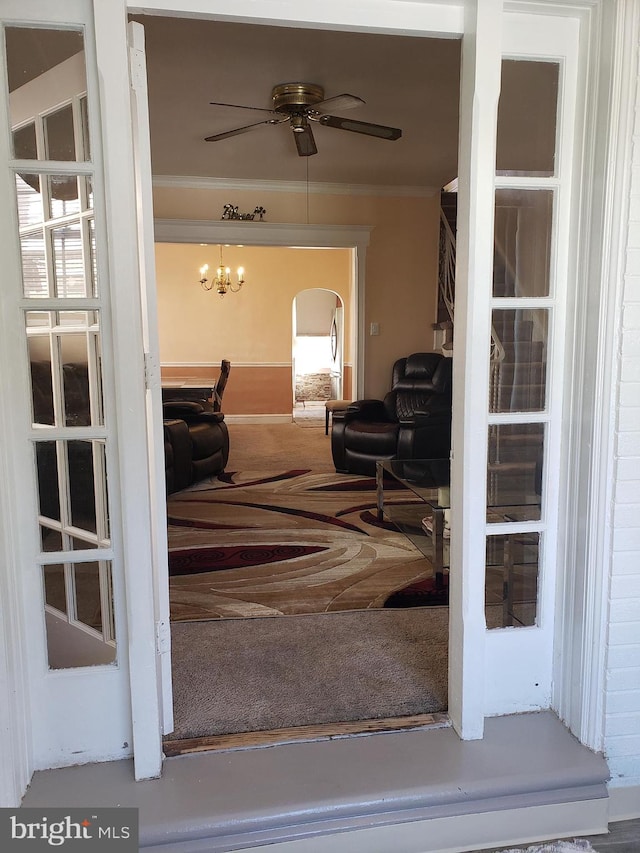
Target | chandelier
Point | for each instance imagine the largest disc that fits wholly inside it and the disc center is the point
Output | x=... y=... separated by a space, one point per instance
x=222 y=281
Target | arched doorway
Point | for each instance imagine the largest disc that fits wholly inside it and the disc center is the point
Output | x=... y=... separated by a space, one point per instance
x=317 y=358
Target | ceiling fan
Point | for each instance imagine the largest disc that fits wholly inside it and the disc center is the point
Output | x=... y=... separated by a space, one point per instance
x=302 y=103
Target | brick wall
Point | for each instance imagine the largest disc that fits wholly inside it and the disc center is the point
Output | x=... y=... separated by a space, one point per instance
x=622 y=721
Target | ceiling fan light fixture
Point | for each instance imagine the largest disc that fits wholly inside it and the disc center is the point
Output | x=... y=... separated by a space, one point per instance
x=299 y=123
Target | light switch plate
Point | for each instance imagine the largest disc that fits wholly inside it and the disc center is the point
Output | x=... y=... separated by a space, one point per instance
x=374 y=329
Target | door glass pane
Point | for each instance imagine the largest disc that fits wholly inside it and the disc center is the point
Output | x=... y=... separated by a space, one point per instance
x=526 y=138
x=75 y=376
x=41 y=379
x=24 y=143
x=93 y=265
x=84 y=121
x=59 y=139
x=87 y=590
x=63 y=195
x=102 y=504
x=34 y=266
x=54 y=587
x=80 y=627
x=522 y=244
x=81 y=485
x=77 y=544
x=37 y=54
x=518 y=362
x=514 y=476
x=77 y=394
x=29 y=197
x=511 y=586
x=47 y=470
x=67 y=259
x=50 y=539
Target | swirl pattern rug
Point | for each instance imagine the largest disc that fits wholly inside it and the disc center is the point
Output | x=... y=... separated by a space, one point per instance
x=251 y=544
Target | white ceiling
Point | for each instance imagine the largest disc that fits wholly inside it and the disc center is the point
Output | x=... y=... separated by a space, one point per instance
x=407 y=82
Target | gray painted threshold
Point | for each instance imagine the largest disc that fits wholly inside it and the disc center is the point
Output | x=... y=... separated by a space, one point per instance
x=232 y=800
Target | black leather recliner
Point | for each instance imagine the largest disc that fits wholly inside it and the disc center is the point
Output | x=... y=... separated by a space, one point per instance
x=412 y=422
x=196 y=443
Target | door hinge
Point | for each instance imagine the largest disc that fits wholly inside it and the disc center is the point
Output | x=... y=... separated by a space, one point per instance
x=163 y=638
x=137 y=68
x=149 y=370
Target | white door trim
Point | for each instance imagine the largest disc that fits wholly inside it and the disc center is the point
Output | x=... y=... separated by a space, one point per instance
x=148 y=295
x=354 y=237
x=129 y=379
x=583 y=617
x=480 y=87
x=436 y=19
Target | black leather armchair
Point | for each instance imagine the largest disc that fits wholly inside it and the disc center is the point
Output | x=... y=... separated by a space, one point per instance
x=196 y=443
x=412 y=422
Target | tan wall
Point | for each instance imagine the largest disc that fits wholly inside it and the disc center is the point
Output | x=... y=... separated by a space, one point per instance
x=254 y=325
x=252 y=328
x=401 y=273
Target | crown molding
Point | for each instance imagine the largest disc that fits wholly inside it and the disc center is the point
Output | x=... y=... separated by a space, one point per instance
x=262 y=233
x=315 y=188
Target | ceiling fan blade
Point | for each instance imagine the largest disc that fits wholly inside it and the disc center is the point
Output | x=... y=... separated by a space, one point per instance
x=239 y=106
x=379 y=130
x=238 y=130
x=339 y=103
x=305 y=143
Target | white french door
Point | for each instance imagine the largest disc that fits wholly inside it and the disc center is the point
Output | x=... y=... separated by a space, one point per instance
x=76 y=500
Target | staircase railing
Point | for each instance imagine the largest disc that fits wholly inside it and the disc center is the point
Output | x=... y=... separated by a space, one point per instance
x=446 y=285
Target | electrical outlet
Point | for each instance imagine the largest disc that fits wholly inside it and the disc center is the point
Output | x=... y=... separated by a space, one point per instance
x=374 y=329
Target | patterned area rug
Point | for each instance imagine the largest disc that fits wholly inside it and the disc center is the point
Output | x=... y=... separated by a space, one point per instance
x=252 y=544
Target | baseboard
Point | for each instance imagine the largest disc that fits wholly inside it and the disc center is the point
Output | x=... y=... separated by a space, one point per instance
x=258 y=419
x=454 y=834
x=624 y=802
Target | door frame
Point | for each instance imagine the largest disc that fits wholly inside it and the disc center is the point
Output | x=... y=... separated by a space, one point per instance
x=399 y=16
x=354 y=237
x=482 y=20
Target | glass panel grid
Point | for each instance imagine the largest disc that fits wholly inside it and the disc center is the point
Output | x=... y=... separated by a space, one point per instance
x=57 y=233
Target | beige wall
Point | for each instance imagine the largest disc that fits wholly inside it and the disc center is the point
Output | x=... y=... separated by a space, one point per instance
x=401 y=277
x=252 y=326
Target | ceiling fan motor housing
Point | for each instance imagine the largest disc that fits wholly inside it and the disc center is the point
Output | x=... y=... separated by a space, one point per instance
x=296 y=98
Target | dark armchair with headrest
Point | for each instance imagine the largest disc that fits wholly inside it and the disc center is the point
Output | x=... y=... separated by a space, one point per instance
x=412 y=422
x=196 y=440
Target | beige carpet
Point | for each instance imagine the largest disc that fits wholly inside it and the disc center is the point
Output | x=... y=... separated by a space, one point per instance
x=238 y=675
x=275 y=447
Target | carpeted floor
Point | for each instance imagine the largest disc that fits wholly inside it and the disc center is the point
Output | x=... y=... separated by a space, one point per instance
x=253 y=544
x=243 y=675
x=235 y=675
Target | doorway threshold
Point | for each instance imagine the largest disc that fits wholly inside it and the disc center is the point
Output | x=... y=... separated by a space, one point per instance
x=528 y=779
x=300 y=734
